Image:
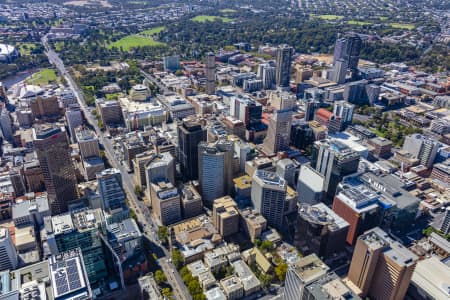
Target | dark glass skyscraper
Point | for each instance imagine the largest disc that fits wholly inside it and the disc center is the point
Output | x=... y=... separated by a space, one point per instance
x=348 y=49
x=283 y=68
x=190 y=134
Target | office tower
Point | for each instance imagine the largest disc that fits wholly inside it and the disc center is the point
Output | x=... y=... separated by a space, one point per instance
x=6 y=125
x=333 y=160
x=305 y=271
x=283 y=68
x=247 y=110
x=87 y=143
x=269 y=196
x=3 y=96
x=382 y=147
x=422 y=147
x=310 y=185
x=45 y=108
x=344 y=111
x=356 y=92
x=68 y=277
x=267 y=74
x=302 y=135
x=110 y=112
x=381 y=267
x=282 y=100
x=372 y=93
x=8 y=254
x=278 y=133
x=225 y=216
x=310 y=107
x=210 y=71
x=348 y=49
x=139 y=164
x=302 y=73
x=320 y=230
x=160 y=167
x=190 y=134
x=191 y=201
x=53 y=153
x=253 y=223
x=74 y=118
x=445 y=226
x=286 y=168
x=215 y=169
x=139 y=92
x=358 y=205
x=81 y=229
x=112 y=195
x=165 y=200
x=171 y=63
x=339 y=71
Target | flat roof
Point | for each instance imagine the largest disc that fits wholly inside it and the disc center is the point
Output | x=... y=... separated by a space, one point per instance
x=432 y=276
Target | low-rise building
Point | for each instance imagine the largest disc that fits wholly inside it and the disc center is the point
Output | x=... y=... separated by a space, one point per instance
x=233 y=288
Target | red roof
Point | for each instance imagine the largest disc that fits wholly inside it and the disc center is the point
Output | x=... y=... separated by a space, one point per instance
x=324 y=114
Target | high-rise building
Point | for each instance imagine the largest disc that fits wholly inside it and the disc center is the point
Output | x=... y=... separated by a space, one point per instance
x=80 y=229
x=53 y=152
x=247 y=110
x=283 y=68
x=110 y=112
x=253 y=223
x=357 y=92
x=160 y=167
x=310 y=185
x=74 y=118
x=269 y=196
x=6 y=125
x=348 y=49
x=320 y=230
x=344 y=111
x=302 y=135
x=112 y=195
x=445 y=226
x=190 y=134
x=139 y=163
x=339 y=71
x=225 y=216
x=210 y=66
x=286 y=168
x=278 y=133
x=302 y=273
x=310 y=108
x=282 y=100
x=87 y=143
x=3 y=96
x=381 y=267
x=191 y=201
x=266 y=73
x=422 y=147
x=8 y=254
x=171 y=63
x=359 y=207
x=68 y=277
x=333 y=160
x=215 y=169
x=166 y=204
x=46 y=108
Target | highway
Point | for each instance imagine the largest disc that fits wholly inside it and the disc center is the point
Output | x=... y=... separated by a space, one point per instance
x=142 y=212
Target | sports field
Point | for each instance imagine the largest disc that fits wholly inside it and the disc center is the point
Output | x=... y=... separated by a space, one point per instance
x=205 y=18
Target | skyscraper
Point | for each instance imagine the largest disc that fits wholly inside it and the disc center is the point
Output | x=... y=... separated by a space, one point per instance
x=74 y=118
x=190 y=134
x=381 y=267
x=283 y=68
x=210 y=74
x=166 y=205
x=339 y=71
x=269 y=196
x=267 y=74
x=422 y=147
x=112 y=195
x=348 y=48
x=53 y=152
x=344 y=111
x=334 y=160
x=215 y=169
x=160 y=167
x=278 y=133
x=8 y=253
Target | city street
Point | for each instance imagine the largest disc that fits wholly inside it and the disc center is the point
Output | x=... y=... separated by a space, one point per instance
x=142 y=212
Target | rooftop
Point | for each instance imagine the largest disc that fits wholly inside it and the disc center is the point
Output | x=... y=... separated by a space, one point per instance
x=323 y=215
x=310 y=268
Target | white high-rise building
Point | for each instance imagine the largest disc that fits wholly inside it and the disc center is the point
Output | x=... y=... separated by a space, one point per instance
x=344 y=111
x=8 y=253
x=269 y=196
x=422 y=148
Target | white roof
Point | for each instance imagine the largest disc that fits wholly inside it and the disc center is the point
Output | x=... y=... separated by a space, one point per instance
x=433 y=277
x=6 y=49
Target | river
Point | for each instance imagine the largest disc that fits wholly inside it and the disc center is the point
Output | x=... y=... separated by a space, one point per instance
x=10 y=80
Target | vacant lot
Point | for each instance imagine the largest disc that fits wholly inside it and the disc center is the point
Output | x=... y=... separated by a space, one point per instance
x=135 y=41
x=204 y=18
